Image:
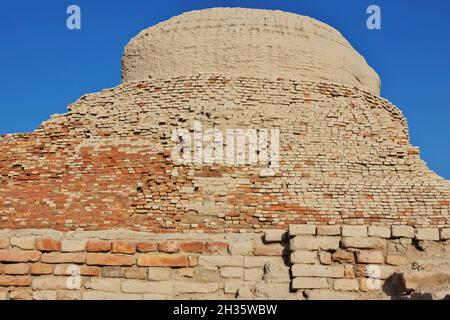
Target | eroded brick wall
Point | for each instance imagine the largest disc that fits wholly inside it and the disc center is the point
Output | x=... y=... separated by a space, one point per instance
x=306 y=262
x=345 y=158
x=128 y=265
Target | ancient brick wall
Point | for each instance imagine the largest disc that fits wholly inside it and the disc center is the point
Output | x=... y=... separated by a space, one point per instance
x=307 y=262
x=345 y=158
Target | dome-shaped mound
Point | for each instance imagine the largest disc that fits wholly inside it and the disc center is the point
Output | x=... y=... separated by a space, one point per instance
x=247 y=42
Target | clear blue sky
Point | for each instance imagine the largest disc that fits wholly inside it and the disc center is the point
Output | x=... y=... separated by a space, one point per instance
x=44 y=66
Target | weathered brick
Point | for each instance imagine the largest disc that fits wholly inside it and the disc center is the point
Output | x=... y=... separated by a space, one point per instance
x=113 y=272
x=304 y=257
x=445 y=234
x=395 y=260
x=41 y=268
x=56 y=257
x=232 y=272
x=147 y=247
x=123 y=247
x=343 y=256
x=186 y=272
x=314 y=243
x=48 y=245
x=98 y=246
x=168 y=246
x=104 y=284
x=346 y=284
x=15 y=269
x=308 y=270
x=402 y=232
x=273 y=249
x=328 y=230
x=349 y=271
x=302 y=229
x=136 y=273
x=159 y=273
x=50 y=283
x=4 y=243
x=19 y=256
x=73 y=245
x=90 y=271
x=162 y=260
x=193 y=261
x=138 y=286
x=106 y=259
x=363 y=243
x=375 y=257
x=275 y=235
x=427 y=234
x=217 y=247
x=309 y=283
x=68 y=295
x=380 y=232
x=193 y=246
x=15 y=281
x=241 y=248
x=325 y=257
x=354 y=231
x=26 y=243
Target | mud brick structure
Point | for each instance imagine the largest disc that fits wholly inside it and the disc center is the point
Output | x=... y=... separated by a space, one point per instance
x=97 y=188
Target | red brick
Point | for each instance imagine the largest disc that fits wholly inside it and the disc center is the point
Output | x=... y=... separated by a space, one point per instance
x=90 y=271
x=168 y=246
x=16 y=281
x=19 y=256
x=98 y=246
x=147 y=247
x=275 y=249
x=106 y=259
x=48 y=245
x=217 y=247
x=15 y=268
x=123 y=247
x=56 y=257
x=41 y=268
x=163 y=261
x=193 y=246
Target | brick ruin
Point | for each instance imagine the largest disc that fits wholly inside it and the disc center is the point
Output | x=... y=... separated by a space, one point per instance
x=96 y=188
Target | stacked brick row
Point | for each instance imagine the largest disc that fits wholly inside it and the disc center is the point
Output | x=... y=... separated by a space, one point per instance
x=341 y=261
x=63 y=266
x=345 y=158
